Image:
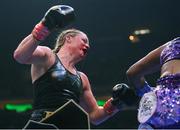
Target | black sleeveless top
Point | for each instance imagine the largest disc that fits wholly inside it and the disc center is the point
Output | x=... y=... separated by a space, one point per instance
x=56 y=87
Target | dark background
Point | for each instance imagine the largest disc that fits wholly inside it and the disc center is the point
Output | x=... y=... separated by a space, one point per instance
x=107 y=24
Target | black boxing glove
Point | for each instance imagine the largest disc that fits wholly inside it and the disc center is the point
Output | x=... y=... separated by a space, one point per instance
x=56 y=17
x=122 y=94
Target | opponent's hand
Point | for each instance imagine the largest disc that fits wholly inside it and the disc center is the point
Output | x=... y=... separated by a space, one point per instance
x=144 y=89
x=56 y=17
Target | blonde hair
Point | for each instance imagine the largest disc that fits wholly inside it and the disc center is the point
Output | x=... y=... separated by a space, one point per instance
x=62 y=36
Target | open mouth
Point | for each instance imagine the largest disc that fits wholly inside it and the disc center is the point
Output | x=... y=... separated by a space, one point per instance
x=85 y=51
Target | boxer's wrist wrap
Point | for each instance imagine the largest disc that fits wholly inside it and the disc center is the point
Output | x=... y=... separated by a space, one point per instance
x=108 y=107
x=144 y=89
x=40 y=32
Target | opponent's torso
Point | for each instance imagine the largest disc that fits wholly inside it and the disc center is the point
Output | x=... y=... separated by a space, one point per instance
x=165 y=112
x=171 y=51
x=56 y=87
x=170 y=58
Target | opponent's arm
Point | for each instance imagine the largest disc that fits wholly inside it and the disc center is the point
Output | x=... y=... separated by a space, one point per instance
x=147 y=65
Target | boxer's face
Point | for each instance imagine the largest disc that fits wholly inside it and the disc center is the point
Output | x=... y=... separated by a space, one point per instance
x=80 y=45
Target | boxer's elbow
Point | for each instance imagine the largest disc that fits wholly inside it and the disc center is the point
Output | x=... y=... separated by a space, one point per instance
x=19 y=57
